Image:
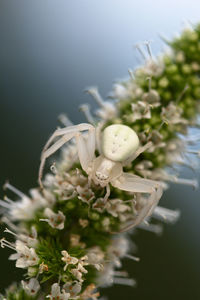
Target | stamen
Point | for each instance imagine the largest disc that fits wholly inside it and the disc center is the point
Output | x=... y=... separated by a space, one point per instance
x=194 y=152
x=44 y=220
x=135 y=258
x=96 y=96
x=138 y=47
x=182 y=93
x=159 y=128
x=191 y=182
x=164 y=39
x=149 y=79
x=120 y=273
x=167 y=214
x=11 y=232
x=161 y=125
x=4 y=243
x=124 y=281
x=5 y=204
x=147 y=44
x=131 y=74
x=155 y=228
x=191 y=165
x=10 y=224
x=7 y=185
x=86 y=110
x=63 y=118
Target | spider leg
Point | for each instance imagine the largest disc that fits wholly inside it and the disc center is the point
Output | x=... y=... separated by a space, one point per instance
x=65 y=130
x=99 y=135
x=135 y=184
x=86 y=147
x=137 y=153
x=146 y=211
x=107 y=193
x=49 y=152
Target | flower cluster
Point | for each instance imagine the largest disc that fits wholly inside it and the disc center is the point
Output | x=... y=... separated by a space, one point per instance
x=69 y=236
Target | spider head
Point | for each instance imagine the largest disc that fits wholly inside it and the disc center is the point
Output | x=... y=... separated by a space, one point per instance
x=119 y=142
x=103 y=170
x=101 y=176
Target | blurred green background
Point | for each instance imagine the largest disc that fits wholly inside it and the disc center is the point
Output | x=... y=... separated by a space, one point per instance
x=49 y=52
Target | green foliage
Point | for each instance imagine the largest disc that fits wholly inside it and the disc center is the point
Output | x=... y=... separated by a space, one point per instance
x=49 y=252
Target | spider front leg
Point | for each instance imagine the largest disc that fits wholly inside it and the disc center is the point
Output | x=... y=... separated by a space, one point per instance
x=135 y=184
x=86 y=148
x=137 y=153
x=105 y=198
x=146 y=211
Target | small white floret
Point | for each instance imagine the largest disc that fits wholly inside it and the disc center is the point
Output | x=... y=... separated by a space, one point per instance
x=69 y=260
x=54 y=220
x=31 y=287
x=57 y=294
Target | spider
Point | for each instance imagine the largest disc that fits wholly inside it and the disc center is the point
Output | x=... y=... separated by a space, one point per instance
x=118 y=146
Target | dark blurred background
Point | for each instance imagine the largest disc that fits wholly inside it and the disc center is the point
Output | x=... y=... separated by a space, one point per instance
x=49 y=52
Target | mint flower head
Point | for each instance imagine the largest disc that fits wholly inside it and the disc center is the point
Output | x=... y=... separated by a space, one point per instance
x=71 y=233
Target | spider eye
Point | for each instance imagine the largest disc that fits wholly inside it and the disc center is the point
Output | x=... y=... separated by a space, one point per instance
x=101 y=176
x=119 y=142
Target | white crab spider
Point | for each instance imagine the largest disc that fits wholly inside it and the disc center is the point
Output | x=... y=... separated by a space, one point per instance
x=118 y=145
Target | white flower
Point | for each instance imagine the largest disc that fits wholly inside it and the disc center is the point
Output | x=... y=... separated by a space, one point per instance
x=172 y=114
x=152 y=68
x=89 y=292
x=69 y=260
x=85 y=194
x=25 y=207
x=73 y=288
x=63 y=188
x=77 y=272
x=107 y=109
x=152 y=98
x=118 y=249
x=81 y=268
x=157 y=141
x=141 y=110
x=166 y=214
x=57 y=294
x=120 y=91
x=117 y=208
x=54 y=220
x=31 y=287
x=25 y=256
x=99 y=205
x=30 y=240
x=106 y=277
x=43 y=268
x=96 y=257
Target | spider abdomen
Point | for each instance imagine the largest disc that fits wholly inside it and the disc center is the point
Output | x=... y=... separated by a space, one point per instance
x=119 y=142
